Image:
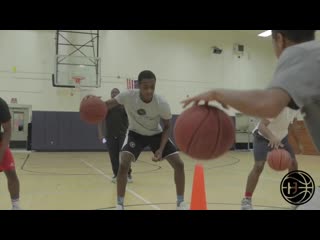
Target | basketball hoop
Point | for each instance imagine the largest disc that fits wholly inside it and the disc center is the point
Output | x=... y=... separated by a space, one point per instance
x=77 y=84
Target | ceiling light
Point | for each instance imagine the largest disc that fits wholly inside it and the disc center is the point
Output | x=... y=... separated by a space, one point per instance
x=265 y=34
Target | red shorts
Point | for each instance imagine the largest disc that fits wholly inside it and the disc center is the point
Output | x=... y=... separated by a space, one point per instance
x=7 y=163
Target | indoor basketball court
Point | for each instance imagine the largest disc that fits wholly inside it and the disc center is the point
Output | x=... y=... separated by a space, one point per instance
x=82 y=181
x=63 y=165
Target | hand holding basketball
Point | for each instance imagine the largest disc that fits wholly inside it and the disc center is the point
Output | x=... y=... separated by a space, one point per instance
x=204 y=132
x=275 y=143
x=92 y=109
x=206 y=97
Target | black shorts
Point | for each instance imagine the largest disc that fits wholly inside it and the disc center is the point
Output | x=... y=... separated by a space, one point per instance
x=261 y=148
x=135 y=143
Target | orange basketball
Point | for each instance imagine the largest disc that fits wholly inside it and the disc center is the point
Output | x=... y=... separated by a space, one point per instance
x=93 y=110
x=204 y=132
x=279 y=159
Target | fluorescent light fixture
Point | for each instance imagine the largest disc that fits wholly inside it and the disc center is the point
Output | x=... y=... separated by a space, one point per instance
x=265 y=34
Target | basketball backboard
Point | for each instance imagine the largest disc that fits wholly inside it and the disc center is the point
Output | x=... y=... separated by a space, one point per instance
x=69 y=68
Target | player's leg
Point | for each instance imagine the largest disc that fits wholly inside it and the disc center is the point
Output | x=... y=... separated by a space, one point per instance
x=179 y=178
x=13 y=187
x=113 y=148
x=125 y=162
x=131 y=150
x=287 y=147
x=260 y=151
x=121 y=140
x=294 y=164
x=8 y=167
x=171 y=154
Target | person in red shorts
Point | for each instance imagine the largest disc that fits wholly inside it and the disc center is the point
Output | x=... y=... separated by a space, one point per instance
x=6 y=159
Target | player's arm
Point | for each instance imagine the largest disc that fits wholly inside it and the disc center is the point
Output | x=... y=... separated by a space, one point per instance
x=164 y=139
x=111 y=103
x=120 y=99
x=100 y=130
x=259 y=103
x=165 y=133
x=294 y=134
x=274 y=142
x=165 y=115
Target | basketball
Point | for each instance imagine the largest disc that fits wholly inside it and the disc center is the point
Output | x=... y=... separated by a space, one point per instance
x=279 y=159
x=204 y=132
x=93 y=110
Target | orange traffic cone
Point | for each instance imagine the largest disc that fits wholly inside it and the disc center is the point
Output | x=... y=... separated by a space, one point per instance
x=198 y=198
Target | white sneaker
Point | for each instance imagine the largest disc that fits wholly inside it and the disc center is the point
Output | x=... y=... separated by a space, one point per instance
x=246 y=204
x=130 y=179
x=114 y=179
x=16 y=208
x=182 y=206
x=119 y=207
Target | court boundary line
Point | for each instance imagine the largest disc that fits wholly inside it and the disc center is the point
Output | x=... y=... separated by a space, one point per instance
x=261 y=207
x=127 y=189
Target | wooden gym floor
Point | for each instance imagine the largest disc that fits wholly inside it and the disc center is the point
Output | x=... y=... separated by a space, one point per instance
x=81 y=181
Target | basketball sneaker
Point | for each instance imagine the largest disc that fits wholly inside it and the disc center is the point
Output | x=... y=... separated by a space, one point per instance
x=246 y=204
x=182 y=206
x=16 y=208
x=119 y=207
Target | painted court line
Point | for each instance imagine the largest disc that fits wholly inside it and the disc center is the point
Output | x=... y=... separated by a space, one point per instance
x=128 y=189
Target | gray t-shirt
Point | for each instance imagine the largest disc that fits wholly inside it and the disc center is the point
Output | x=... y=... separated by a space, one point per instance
x=144 y=118
x=298 y=73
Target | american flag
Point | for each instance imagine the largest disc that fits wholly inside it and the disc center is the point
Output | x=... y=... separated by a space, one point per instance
x=132 y=84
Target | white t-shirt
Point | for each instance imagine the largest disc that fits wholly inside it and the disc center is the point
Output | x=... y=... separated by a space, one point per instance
x=279 y=125
x=144 y=118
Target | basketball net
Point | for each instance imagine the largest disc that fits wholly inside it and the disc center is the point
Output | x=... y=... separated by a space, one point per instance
x=77 y=85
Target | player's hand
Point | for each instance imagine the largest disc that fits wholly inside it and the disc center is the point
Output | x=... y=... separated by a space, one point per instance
x=206 y=97
x=102 y=139
x=157 y=156
x=275 y=143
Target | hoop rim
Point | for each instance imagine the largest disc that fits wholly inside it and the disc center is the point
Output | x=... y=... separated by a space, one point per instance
x=77 y=79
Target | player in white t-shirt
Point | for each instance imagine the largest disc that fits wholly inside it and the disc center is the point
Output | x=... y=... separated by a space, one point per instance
x=145 y=111
x=268 y=134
